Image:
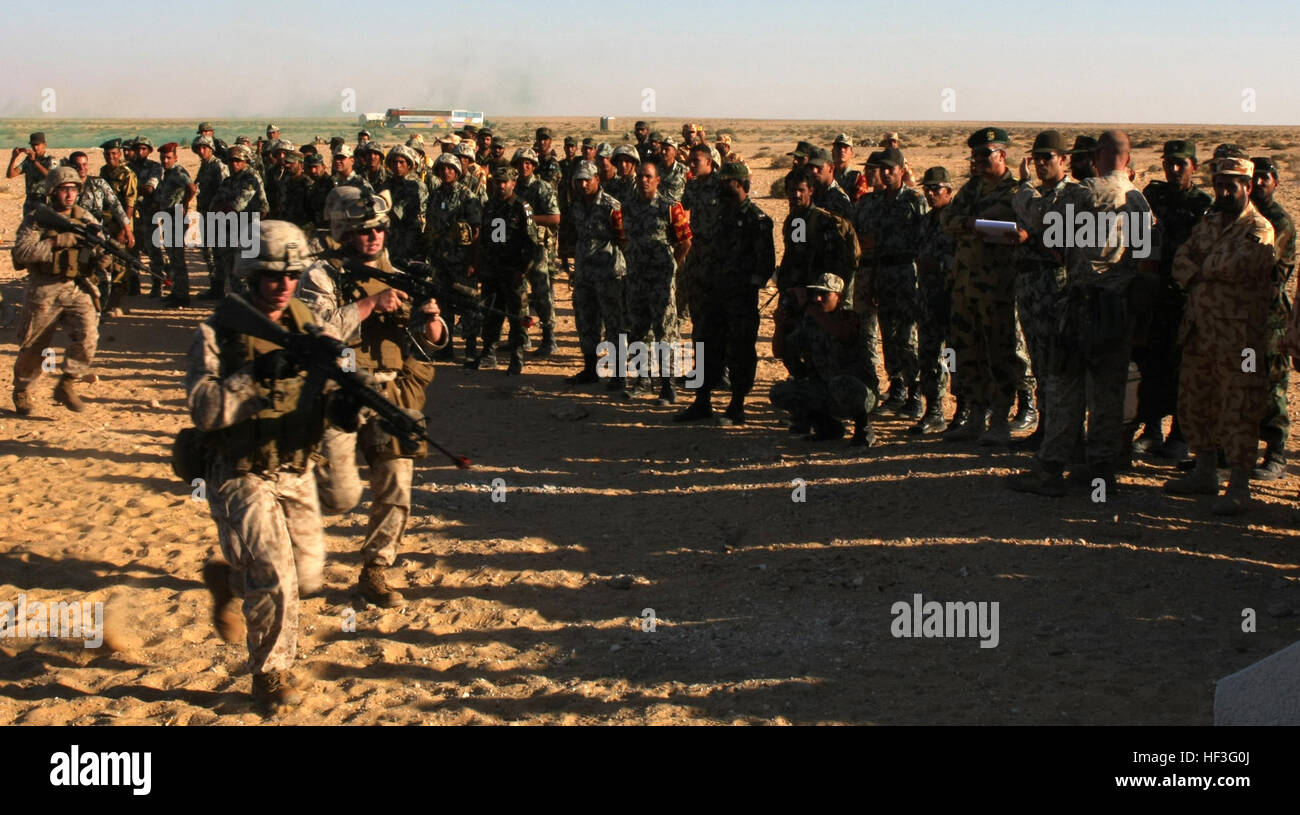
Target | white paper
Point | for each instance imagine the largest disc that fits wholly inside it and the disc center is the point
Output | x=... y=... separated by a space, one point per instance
x=995 y=229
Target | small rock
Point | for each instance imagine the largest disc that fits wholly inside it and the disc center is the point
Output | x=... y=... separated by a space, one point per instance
x=616 y=647
x=154 y=403
x=569 y=412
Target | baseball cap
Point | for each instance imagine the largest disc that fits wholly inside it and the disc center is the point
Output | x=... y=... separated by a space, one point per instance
x=936 y=177
x=204 y=126
x=524 y=154
x=1234 y=166
x=503 y=172
x=584 y=170
x=827 y=282
x=1178 y=148
x=733 y=171
x=344 y=150
x=802 y=150
x=569 y=141
x=889 y=157
x=843 y=139
x=543 y=133
x=36 y=138
x=819 y=157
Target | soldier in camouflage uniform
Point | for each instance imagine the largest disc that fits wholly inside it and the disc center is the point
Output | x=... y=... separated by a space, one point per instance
x=657 y=236
x=390 y=336
x=643 y=145
x=815 y=245
x=1090 y=361
x=1227 y=268
x=1275 y=428
x=1040 y=269
x=453 y=221
x=370 y=159
x=702 y=200
x=542 y=199
x=149 y=174
x=623 y=187
x=321 y=184
x=245 y=395
x=606 y=172
x=60 y=291
x=934 y=258
x=599 y=270
x=1177 y=205
x=408 y=196
x=888 y=221
x=507 y=254
x=212 y=172
x=548 y=166
x=175 y=190
x=35 y=165
x=672 y=173
x=295 y=192
x=564 y=193
x=472 y=174
x=241 y=193
x=744 y=260
x=828 y=195
x=984 y=334
x=837 y=385
x=97 y=198
x=850 y=180
x=126 y=188
x=345 y=175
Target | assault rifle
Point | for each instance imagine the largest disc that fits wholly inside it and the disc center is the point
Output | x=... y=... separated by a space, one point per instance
x=420 y=281
x=319 y=354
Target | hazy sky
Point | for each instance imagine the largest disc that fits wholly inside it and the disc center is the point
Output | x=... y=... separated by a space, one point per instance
x=1010 y=61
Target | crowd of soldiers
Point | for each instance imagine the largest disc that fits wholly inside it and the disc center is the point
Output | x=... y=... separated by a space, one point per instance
x=943 y=285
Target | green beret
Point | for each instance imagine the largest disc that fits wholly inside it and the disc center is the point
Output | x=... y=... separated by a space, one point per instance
x=989 y=137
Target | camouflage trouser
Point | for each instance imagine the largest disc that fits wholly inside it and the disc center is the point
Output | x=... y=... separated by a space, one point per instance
x=934 y=301
x=510 y=297
x=864 y=304
x=179 y=271
x=208 y=253
x=471 y=320
x=651 y=312
x=689 y=275
x=1275 y=429
x=988 y=370
x=1038 y=289
x=541 y=283
x=225 y=279
x=146 y=233
x=390 y=486
x=269 y=528
x=844 y=397
x=1090 y=387
x=894 y=286
x=50 y=302
x=727 y=325
x=1159 y=357
x=1220 y=405
x=598 y=302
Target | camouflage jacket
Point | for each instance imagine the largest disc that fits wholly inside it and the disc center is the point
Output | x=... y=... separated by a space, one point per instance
x=743 y=247
x=828 y=357
x=123 y=182
x=539 y=195
x=98 y=198
x=852 y=182
x=702 y=199
x=548 y=169
x=354 y=180
x=622 y=187
x=1284 y=263
x=34 y=179
x=316 y=195
x=149 y=175
x=935 y=251
x=652 y=229
x=598 y=230
x=241 y=192
x=897 y=223
x=672 y=184
x=973 y=258
x=406 y=218
x=508 y=243
x=813 y=246
x=295 y=200
x=34 y=248
x=1226 y=267
x=453 y=215
x=1176 y=213
x=173 y=188
x=211 y=173
x=1031 y=203
x=834 y=199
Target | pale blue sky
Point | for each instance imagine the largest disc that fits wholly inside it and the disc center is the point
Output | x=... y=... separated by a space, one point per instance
x=1013 y=61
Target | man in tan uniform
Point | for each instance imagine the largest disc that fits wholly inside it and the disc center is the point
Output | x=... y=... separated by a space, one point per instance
x=1226 y=268
x=392 y=339
x=244 y=393
x=60 y=291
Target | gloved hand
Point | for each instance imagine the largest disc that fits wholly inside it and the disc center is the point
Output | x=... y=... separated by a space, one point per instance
x=274 y=365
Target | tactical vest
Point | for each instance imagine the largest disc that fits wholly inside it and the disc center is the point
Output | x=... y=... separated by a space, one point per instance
x=383 y=336
x=66 y=263
x=278 y=437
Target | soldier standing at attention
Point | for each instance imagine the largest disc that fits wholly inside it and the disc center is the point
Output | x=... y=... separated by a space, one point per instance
x=1226 y=266
x=1177 y=205
x=212 y=171
x=1275 y=428
x=728 y=325
x=245 y=394
x=60 y=291
x=34 y=165
x=542 y=199
x=176 y=189
x=453 y=223
x=149 y=175
x=598 y=274
x=934 y=291
x=507 y=251
x=983 y=295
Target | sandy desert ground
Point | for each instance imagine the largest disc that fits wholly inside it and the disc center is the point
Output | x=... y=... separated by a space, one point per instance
x=530 y=610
